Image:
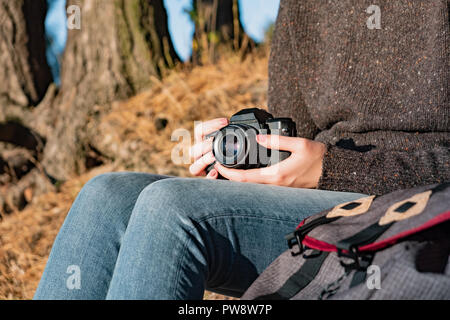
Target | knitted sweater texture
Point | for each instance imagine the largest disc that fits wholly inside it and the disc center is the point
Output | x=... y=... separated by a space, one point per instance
x=370 y=79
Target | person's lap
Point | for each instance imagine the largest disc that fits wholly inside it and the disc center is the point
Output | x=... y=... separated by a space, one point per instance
x=142 y=236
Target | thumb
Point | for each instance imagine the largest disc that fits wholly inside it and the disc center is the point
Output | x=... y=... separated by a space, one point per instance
x=277 y=142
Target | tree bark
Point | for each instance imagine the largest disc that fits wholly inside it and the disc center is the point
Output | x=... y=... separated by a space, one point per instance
x=24 y=80
x=24 y=72
x=120 y=45
x=218 y=26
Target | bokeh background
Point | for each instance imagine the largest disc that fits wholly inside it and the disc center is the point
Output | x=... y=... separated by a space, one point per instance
x=108 y=97
x=256 y=16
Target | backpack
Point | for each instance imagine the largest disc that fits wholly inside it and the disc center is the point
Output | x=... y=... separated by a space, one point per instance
x=394 y=246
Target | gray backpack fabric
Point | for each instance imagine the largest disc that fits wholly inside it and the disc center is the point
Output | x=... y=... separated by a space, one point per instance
x=394 y=246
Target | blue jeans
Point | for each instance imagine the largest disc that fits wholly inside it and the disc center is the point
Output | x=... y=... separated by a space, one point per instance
x=144 y=236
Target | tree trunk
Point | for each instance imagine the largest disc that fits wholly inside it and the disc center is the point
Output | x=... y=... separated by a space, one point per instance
x=24 y=80
x=217 y=26
x=120 y=45
x=24 y=73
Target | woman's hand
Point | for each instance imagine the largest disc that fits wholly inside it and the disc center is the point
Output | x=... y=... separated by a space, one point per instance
x=302 y=169
x=201 y=151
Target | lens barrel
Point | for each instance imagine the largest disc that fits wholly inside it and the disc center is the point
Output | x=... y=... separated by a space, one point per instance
x=235 y=146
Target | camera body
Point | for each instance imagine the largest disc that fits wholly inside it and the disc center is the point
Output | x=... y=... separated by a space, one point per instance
x=235 y=145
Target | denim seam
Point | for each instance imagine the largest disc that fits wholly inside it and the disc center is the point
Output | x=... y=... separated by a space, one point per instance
x=230 y=215
x=183 y=250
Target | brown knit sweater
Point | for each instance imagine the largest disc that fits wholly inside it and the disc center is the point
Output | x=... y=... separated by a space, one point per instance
x=378 y=98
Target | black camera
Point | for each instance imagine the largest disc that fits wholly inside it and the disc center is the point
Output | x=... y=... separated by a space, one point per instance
x=235 y=145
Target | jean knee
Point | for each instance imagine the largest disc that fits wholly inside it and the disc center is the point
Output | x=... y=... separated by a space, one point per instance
x=175 y=199
x=109 y=195
x=106 y=186
x=101 y=182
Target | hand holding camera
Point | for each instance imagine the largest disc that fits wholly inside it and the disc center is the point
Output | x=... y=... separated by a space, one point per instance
x=255 y=147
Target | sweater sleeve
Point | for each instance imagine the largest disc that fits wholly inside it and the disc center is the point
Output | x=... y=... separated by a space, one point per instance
x=292 y=76
x=284 y=95
x=380 y=172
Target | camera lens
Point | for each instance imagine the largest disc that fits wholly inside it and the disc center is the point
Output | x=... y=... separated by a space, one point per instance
x=230 y=145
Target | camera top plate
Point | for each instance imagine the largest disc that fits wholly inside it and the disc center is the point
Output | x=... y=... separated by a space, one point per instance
x=253 y=117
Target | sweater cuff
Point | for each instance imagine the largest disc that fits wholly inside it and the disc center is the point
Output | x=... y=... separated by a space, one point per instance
x=344 y=170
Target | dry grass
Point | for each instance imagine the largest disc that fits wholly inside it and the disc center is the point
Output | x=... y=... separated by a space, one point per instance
x=126 y=133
